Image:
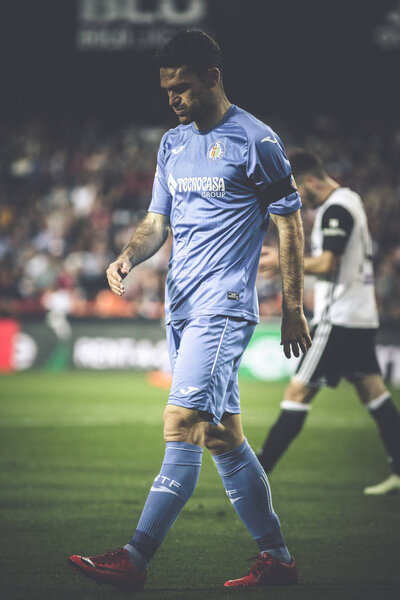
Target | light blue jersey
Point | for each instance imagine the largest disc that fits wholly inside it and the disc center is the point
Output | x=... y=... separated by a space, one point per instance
x=218 y=187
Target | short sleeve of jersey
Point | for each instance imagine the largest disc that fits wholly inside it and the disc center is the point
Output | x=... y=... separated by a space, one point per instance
x=268 y=168
x=337 y=224
x=161 y=197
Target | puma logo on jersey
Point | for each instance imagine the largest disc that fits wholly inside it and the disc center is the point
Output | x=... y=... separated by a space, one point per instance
x=189 y=390
x=178 y=149
x=269 y=139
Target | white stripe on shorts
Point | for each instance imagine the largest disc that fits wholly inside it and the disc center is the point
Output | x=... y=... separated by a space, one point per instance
x=313 y=356
x=219 y=345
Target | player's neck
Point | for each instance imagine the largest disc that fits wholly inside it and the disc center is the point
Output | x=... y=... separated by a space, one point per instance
x=214 y=114
x=330 y=186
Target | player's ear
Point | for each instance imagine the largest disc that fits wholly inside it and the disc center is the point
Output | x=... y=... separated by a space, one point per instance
x=308 y=178
x=213 y=77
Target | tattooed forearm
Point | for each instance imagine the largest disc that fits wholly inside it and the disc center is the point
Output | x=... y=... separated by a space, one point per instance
x=149 y=236
x=291 y=251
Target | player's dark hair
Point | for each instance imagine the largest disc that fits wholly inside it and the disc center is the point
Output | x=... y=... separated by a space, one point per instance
x=193 y=49
x=306 y=163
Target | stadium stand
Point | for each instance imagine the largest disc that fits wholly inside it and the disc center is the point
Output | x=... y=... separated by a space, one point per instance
x=71 y=196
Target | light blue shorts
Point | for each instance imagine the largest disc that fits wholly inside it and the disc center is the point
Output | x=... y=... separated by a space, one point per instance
x=205 y=354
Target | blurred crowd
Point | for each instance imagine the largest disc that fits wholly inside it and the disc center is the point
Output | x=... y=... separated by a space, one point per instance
x=71 y=197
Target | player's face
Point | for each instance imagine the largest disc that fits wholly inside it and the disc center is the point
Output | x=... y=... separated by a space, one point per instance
x=307 y=193
x=188 y=95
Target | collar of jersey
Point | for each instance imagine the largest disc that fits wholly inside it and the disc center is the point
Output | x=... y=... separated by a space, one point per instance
x=227 y=115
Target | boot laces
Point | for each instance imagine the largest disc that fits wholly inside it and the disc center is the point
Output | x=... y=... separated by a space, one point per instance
x=262 y=564
x=110 y=557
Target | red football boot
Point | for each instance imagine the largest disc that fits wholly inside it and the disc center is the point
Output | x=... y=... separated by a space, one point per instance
x=113 y=567
x=267 y=571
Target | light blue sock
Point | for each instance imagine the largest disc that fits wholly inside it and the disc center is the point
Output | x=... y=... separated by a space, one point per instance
x=247 y=487
x=169 y=493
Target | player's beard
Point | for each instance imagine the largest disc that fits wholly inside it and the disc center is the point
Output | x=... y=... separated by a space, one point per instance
x=195 y=112
x=310 y=198
x=185 y=119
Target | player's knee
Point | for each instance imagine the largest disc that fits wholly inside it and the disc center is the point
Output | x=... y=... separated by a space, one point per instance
x=297 y=392
x=220 y=439
x=181 y=425
x=175 y=424
x=369 y=387
x=215 y=445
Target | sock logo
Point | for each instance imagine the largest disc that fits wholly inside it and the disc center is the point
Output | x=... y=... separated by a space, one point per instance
x=231 y=493
x=233 y=500
x=166 y=484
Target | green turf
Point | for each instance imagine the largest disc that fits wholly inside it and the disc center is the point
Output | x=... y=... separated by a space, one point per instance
x=78 y=454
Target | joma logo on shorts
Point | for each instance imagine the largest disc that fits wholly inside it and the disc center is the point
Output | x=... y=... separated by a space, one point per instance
x=188 y=390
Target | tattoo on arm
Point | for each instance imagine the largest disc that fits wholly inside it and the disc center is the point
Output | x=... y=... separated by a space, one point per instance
x=149 y=236
x=291 y=259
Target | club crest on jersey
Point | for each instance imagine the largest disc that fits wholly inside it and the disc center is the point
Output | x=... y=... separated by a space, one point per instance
x=216 y=151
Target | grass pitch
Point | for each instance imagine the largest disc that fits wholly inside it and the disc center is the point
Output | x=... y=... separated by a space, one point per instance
x=78 y=455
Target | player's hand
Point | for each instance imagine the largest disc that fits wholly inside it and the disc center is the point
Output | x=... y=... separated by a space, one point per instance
x=295 y=334
x=269 y=262
x=116 y=271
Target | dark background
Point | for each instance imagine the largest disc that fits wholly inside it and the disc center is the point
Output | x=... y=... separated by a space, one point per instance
x=80 y=127
x=289 y=58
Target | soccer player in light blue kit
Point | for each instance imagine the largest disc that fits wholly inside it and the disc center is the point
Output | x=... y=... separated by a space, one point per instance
x=221 y=176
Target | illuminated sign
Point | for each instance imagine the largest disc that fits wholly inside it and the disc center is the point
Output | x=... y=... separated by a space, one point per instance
x=125 y=24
